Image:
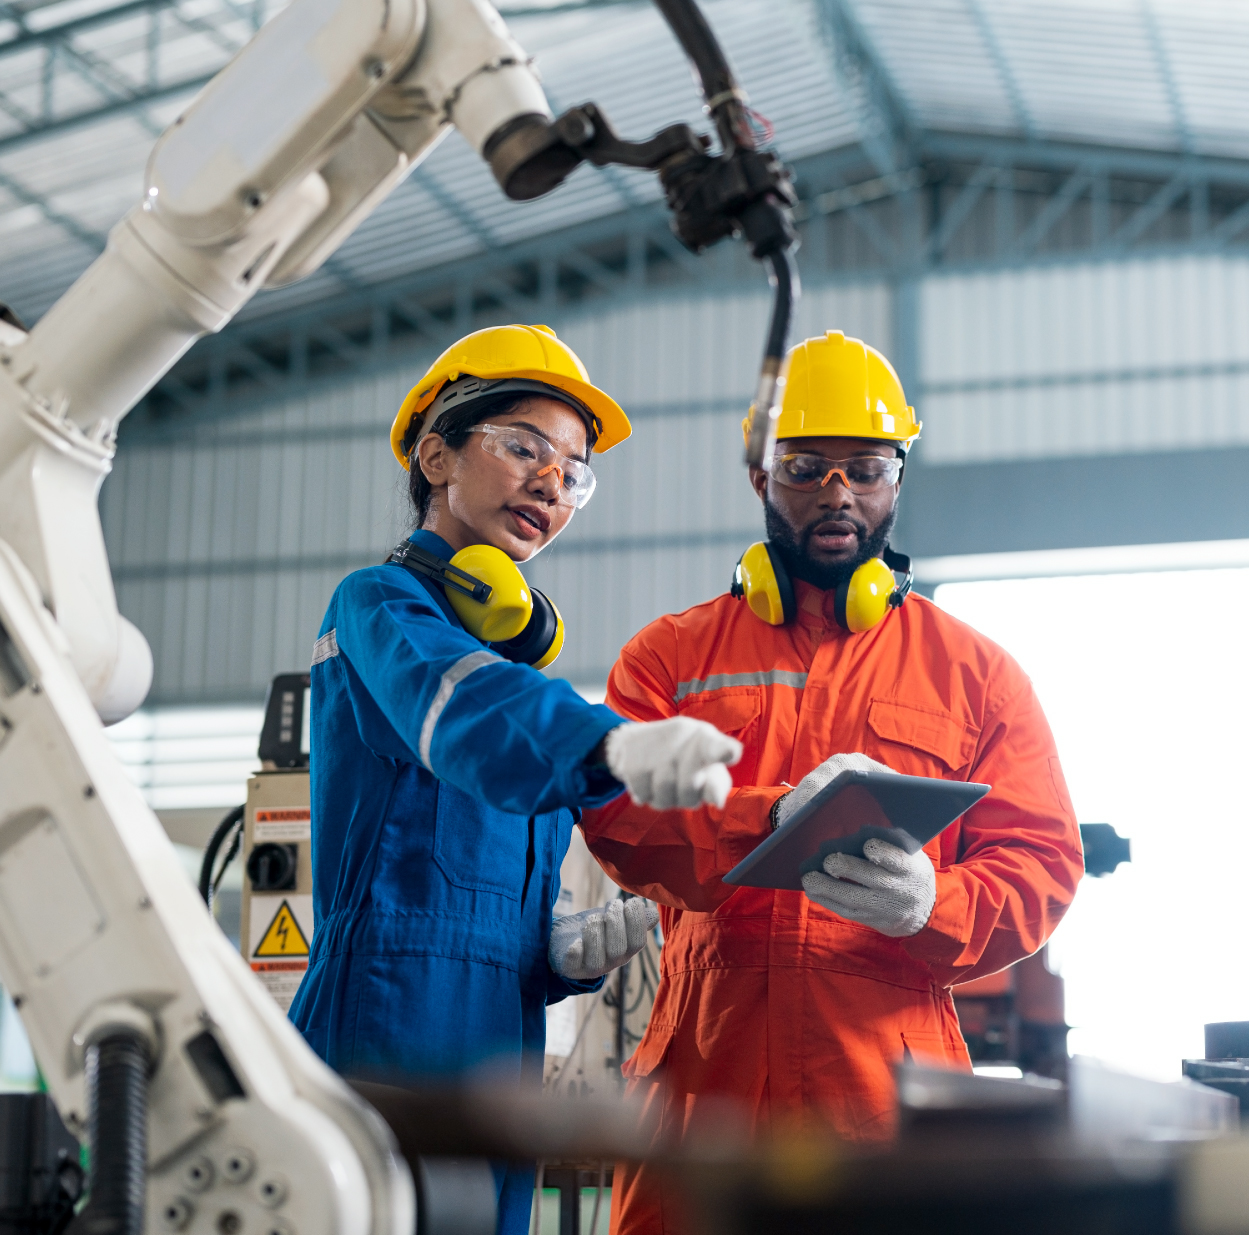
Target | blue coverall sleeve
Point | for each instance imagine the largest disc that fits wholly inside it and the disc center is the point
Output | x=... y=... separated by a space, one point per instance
x=497 y=730
x=558 y=988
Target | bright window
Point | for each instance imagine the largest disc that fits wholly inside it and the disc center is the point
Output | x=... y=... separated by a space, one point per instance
x=186 y=758
x=1145 y=680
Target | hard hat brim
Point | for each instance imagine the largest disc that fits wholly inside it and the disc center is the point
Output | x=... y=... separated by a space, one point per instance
x=904 y=444
x=615 y=424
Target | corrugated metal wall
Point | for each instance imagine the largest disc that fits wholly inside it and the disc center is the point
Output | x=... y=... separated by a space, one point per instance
x=227 y=541
x=1143 y=355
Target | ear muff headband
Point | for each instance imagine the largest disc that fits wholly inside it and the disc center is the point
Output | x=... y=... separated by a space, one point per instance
x=858 y=604
x=491 y=598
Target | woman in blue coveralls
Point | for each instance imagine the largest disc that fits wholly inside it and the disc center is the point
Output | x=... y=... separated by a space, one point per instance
x=446 y=777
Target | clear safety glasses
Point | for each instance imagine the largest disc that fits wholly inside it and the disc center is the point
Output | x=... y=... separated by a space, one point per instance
x=529 y=455
x=869 y=474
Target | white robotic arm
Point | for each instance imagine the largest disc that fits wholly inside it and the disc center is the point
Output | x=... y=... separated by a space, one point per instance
x=118 y=971
x=274 y=164
x=131 y=996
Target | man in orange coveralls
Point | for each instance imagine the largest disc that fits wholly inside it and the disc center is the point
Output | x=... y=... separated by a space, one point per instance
x=800 y=1004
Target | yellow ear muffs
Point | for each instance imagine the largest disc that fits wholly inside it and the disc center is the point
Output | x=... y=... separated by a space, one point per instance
x=863 y=600
x=491 y=598
x=858 y=604
x=509 y=606
x=542 y=640
x=761 y=578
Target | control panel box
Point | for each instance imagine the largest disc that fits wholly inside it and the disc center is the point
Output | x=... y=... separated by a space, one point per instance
x=277 y=924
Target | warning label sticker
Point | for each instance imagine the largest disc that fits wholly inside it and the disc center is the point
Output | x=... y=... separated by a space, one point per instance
x=293 y=823
x=281 y=932
x=282 y=937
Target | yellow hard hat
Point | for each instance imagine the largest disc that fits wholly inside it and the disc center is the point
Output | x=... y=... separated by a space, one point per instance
x=527 y=353
x=840 y=387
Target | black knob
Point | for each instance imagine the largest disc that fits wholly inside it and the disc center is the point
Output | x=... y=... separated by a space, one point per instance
x=272 y=868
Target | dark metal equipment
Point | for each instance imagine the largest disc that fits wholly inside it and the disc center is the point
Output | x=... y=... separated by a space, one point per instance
x=1226 y=1065
x=1104 y=849
x=741 y=189
x=284 y=734
x=40 y=1175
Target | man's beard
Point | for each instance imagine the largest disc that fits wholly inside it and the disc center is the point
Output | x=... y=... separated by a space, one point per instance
x=795 y=553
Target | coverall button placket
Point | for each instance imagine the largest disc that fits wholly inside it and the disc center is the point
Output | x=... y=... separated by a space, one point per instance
x=789 y=982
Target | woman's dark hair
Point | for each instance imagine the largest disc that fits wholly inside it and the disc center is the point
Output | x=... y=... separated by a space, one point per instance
x=455 y=427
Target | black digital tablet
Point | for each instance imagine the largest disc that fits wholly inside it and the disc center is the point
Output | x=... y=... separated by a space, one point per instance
x=907 y=811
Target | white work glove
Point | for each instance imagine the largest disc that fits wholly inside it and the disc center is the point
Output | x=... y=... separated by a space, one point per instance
x=892 y=891
x=592 y=943
x=677 y=762
x=818 y=777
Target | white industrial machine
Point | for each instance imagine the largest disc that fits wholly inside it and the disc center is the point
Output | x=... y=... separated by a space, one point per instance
x=145 y=1022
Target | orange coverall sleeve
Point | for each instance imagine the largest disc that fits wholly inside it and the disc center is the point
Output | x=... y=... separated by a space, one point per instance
x=674 y=857
x=1008 y=869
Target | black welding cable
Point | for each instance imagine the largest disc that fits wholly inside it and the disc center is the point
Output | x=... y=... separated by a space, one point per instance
x=784 y=280
x=725 y=100
x=208 y=884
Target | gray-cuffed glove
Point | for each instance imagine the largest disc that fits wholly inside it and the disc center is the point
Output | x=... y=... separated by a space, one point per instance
x=818 y=777
x=892 y=891
x=592 y=943
x=678 y=762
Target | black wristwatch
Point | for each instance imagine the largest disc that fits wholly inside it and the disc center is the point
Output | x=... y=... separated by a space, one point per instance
x=776 y=823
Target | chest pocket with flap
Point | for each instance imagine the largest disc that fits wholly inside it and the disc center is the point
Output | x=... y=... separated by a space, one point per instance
x=734 y=710
x=923 y=729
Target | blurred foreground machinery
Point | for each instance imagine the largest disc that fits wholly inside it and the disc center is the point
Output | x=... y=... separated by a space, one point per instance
x=1103 y=1154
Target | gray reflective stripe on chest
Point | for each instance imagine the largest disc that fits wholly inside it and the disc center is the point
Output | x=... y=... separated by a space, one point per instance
x=325 y=647
x=718 y=681
x=446 y=688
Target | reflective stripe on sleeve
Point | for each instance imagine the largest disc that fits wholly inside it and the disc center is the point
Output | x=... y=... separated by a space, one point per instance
x=325 y=647
x=718 y=681
x=446 y=688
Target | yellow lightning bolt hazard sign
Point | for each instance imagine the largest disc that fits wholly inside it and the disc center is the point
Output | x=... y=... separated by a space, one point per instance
x=283 y=936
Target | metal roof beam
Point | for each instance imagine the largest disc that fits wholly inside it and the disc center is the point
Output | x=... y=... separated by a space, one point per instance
x=886 y=126
x=29 y=39
x=198 y=25
x=1179 y=114
x=92 y=239
x=1149 y=214
x=113 y=85
x=1005 y=70
x=1230 y=227
x=452 y=205
x=1063 y=156
x=17 y=112
x=984 y=177
x=106 y=111
x=1077 y=183
x=119 y=93
x=616 y=257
